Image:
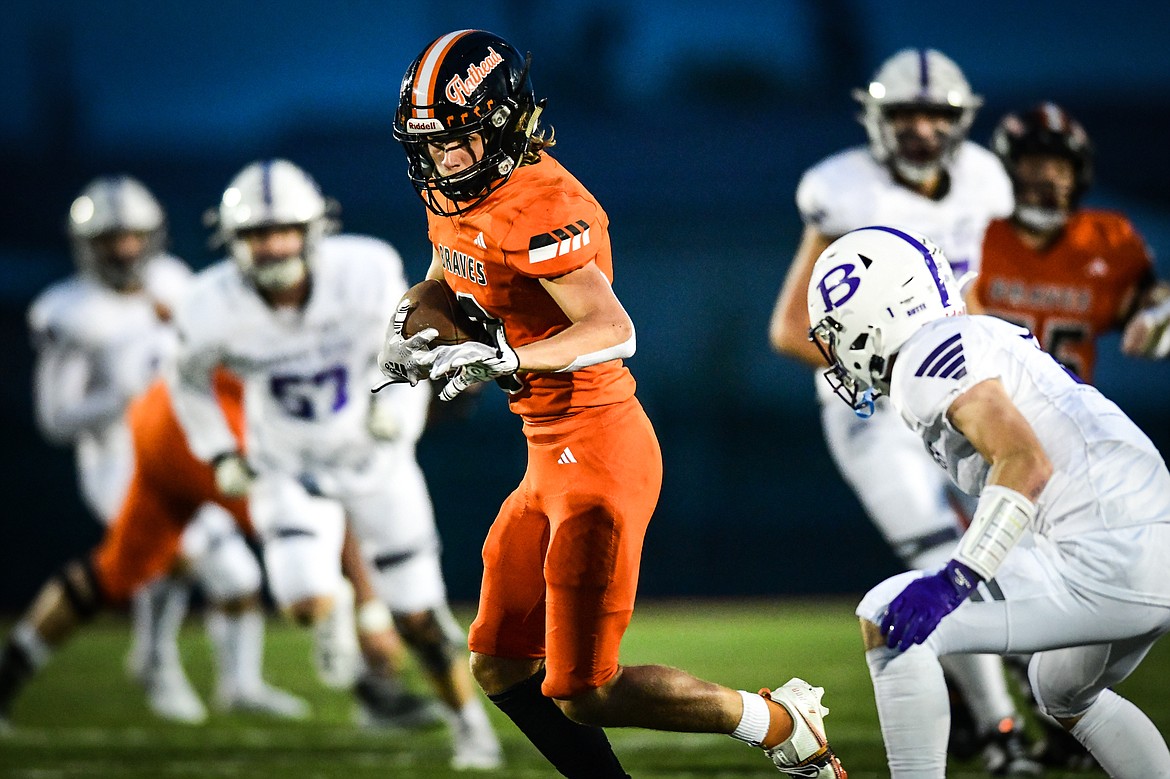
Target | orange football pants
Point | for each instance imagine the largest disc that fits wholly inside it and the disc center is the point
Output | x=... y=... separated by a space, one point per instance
x=168 y=485
x=561 y=559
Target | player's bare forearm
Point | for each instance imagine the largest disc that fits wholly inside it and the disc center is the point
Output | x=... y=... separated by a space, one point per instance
x=986 y=417
x=353 y=567
x=599 y=322
x=788 y=328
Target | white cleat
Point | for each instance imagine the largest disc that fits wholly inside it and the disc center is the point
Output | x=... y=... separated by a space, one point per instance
x=806 y=753
x=265 y=699
x=170 y=695
x=476 y=747
x=477 y=757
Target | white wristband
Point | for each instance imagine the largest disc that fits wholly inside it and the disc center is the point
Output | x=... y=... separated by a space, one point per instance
x=373 y=617
x=618 y=352
x=1000 y=519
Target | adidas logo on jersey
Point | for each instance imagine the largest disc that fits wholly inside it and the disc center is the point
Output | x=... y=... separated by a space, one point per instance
x=560 y=241
x=566 y=457
x=479 y=240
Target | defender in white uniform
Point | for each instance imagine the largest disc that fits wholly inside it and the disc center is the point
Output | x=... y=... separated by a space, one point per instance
x=102 y=336
x=920 y=171
x=299 y=314
x=1072 y=528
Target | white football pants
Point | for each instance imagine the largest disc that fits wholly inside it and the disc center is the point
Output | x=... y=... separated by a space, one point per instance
x=301 y=522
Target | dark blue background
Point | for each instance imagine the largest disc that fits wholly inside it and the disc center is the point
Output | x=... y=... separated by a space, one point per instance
x=690 y=122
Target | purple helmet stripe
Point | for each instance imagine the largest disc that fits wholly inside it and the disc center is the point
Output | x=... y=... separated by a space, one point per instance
x=923 y=73
x=926 y=255
x=266 y=183
x=113 y=191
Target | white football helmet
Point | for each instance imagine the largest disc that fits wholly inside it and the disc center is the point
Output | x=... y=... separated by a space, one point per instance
x=109 y=205
x=266 y=194
x=916 y=78
x=872 y=289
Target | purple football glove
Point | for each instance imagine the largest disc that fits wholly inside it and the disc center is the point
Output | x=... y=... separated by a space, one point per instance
x=916 y=611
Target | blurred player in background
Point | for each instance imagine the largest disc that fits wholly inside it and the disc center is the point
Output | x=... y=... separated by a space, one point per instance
x=1068 y=274
x=101 y=337
x=919 y=171
x=171 y=498
x=527 y=250
x=1065 y=557
x=298 y=314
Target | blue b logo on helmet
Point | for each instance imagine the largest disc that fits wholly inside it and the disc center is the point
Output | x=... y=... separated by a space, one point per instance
x=838 y=285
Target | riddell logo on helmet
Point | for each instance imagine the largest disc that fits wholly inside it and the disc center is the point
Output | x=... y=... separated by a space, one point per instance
x=459 y=89
x=424 y=125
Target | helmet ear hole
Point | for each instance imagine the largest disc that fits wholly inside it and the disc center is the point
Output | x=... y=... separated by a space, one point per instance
x=499 y=117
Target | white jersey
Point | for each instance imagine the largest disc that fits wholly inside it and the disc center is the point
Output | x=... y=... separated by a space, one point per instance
x=1108 y=476
x=851 y=189
x=307 y=373
x=96 y=349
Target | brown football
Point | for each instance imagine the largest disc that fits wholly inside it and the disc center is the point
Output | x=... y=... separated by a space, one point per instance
x=433 y=304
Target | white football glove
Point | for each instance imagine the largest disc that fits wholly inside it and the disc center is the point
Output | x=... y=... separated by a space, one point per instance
x=1148 y=333
x=233 y=475
x=472 y=362
x=399 y=358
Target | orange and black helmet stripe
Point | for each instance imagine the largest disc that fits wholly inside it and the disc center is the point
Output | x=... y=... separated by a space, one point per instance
x=425 y=89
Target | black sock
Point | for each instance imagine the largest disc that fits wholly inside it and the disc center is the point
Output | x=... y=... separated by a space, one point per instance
x=15 y=670
x=576 y=751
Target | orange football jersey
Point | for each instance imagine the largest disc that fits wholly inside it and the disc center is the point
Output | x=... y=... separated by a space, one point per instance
x=1082 y=286
x=542 y=224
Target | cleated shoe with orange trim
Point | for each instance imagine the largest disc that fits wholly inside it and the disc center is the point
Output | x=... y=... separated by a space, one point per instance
x=806 y=752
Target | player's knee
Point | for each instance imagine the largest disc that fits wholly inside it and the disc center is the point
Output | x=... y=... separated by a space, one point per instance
x=871 y=635
x=239 y=605
x=587 y=706
x=229 y=572
x=430 y=640
x=309 y=611
x=1054 y=695
x=79 y=586
x=494 y=675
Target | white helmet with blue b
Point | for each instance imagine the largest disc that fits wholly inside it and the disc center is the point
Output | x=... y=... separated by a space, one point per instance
x=872 y=289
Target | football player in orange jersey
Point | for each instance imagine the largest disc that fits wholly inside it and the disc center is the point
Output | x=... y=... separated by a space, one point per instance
x=1069 y=274
x=167 y=488
x=526 y=248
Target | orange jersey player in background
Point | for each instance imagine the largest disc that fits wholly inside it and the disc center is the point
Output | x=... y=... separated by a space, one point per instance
x=526 y=248
x=168 y=487
x=1068 y=274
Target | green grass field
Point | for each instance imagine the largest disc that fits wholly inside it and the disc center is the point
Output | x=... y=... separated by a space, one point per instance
x=81 y=718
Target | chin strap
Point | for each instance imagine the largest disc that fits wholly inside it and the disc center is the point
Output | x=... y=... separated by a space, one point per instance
x=537 y=110
x=864 y=406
